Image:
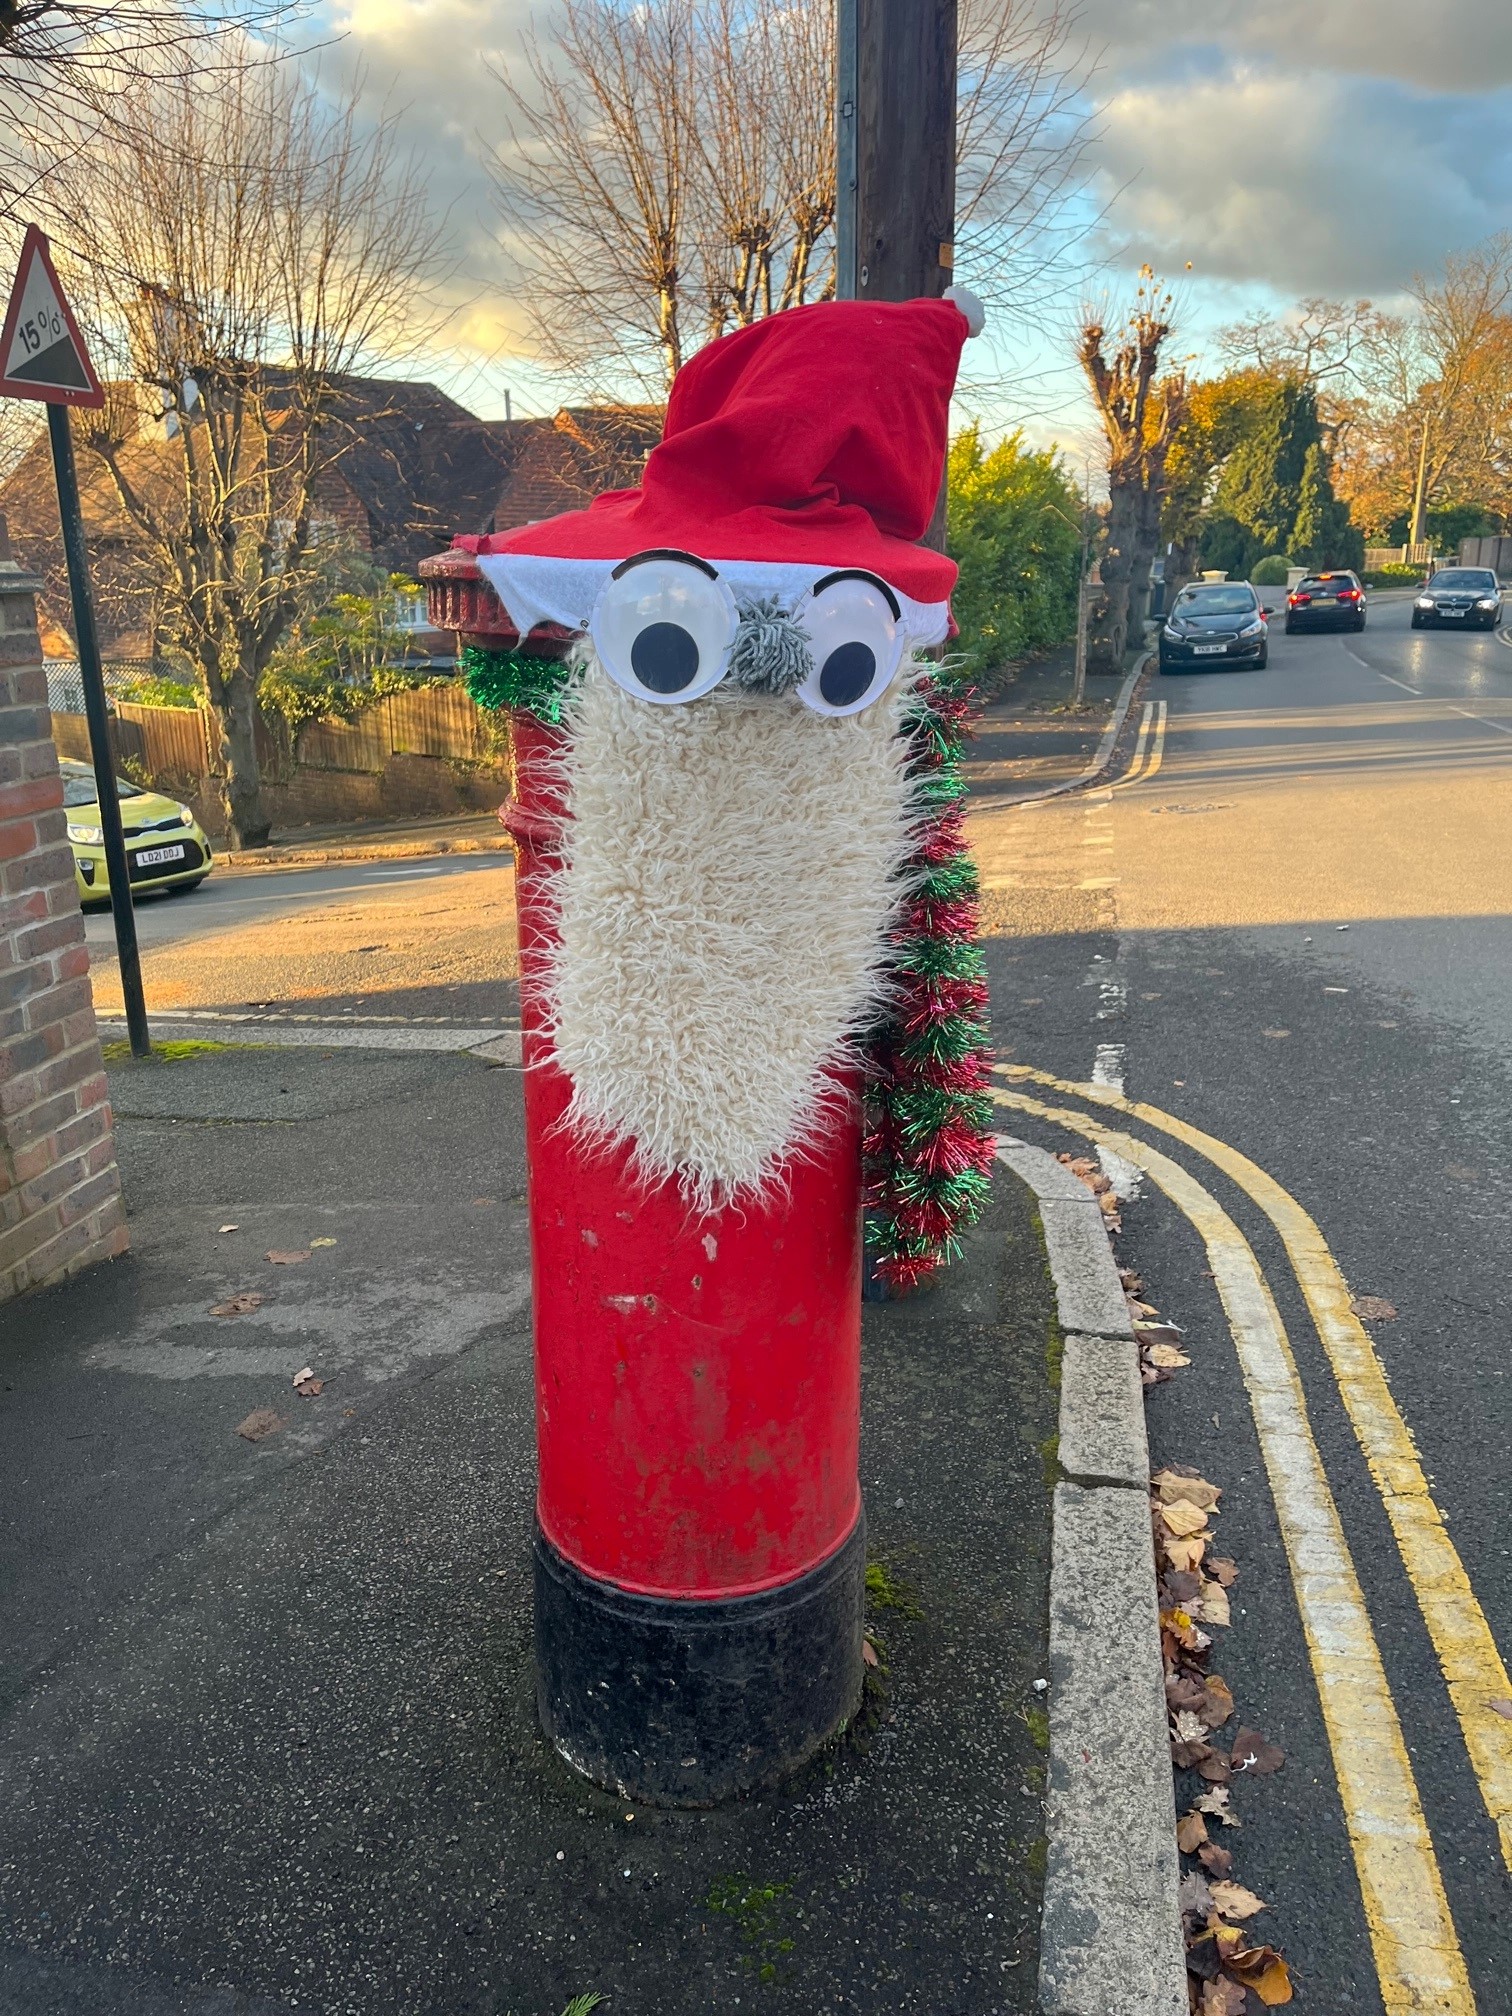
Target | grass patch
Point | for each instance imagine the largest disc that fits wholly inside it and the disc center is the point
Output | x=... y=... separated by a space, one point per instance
x=118 y=1051
x=1038 y=1857
x=1037 y=1721
x=887 y=1591
x=1055 y=1355
x=1050 y=1457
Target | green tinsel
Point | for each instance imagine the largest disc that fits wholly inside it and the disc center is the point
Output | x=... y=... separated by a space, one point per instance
x=923 y=1111
x=948 y=882
x=516 y=679
x=940 y=958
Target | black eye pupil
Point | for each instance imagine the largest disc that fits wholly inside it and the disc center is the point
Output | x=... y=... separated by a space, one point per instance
x=848 y=671
x=664 y=658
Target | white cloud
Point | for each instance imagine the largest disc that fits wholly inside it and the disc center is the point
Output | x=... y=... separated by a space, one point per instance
x=1450 y=45
x=1306 y=181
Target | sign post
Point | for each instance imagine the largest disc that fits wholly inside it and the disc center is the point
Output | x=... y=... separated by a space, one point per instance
x=42 y=356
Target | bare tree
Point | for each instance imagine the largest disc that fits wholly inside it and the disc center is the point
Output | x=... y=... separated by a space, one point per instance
x=251 y=249
x=1140 y=412
x=65 y=63
x=669 y=171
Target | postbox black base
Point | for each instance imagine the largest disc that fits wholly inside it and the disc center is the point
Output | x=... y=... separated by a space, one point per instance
x=686 y=1703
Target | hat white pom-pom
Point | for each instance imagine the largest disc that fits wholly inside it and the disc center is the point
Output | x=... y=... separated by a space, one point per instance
x=970 y=307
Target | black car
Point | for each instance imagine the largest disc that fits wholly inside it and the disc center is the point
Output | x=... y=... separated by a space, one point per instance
x=1214 y=625
x=1331 y=601
x=1467 y=596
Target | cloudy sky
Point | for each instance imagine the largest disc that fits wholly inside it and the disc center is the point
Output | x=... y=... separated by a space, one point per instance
x=1283 y=147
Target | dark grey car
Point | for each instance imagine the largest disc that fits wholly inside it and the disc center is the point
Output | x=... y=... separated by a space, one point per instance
x=1468 y=597
x=1214 y=625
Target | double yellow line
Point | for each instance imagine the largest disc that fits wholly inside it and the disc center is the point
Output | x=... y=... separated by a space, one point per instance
x=1149 y=746
x=1416 y=1948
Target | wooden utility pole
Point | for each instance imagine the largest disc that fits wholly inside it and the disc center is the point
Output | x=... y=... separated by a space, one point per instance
x=896 y=148
x=895 y=156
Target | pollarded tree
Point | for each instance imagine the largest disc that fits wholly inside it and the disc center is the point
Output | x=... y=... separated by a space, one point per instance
x=1141 y=412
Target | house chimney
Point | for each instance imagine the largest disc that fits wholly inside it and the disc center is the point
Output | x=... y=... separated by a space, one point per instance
x=508 y=416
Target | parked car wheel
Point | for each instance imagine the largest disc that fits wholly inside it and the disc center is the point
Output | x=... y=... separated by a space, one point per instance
x=1359 y=623
x=1263 y=660
x=1291 y=628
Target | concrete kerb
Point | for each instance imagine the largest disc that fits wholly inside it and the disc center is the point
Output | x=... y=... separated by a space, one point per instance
x=1101 y=762
x=1110 y=1940
x=493 y=1045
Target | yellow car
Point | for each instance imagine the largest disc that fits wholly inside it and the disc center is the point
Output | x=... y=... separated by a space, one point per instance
x=165 y=844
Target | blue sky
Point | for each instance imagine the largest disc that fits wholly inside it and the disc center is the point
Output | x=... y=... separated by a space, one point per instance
x=1283 y=147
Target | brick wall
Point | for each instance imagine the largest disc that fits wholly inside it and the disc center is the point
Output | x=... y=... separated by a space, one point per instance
x=60 y=1192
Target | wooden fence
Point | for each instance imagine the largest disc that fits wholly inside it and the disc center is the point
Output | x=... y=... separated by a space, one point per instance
x=431 y=750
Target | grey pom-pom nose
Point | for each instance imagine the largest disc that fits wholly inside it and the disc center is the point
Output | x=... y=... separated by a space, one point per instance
x=771 y=650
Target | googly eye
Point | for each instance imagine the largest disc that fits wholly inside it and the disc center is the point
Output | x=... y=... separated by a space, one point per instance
x=852 y=622
x=663 y=626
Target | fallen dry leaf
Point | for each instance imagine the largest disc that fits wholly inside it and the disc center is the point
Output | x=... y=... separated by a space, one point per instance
x=1223 y=1570
x=230 y=1228
x=1171 y=1488
x=241 y=1304
x=1260 y=1968
x=1214 y=1604
x=1194 y=1896
x=1232 y=1900
x=1185 y=1554
x=1191 y=1833
x=1374 y=1309
x=322 y=1242
x=306 y=1383
x=1502 y=1708
x=260 y=1422
x=1215 y=1769
x=1183 y=1519
x=1217 y=1703
x=1215 y=1803
x=1188 y=1728
x=288 y=1259
x=1221 y=1998
x=1254 y=1756
x=1157 y=1333
x=1217 y=1861
x=868 y=1652
x=1192 y=1756
x=1166 y=1355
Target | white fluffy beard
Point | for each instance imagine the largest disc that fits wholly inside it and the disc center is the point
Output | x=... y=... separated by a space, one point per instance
x=729 y=873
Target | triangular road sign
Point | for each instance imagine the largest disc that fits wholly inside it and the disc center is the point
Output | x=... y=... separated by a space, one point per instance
x=42 y=354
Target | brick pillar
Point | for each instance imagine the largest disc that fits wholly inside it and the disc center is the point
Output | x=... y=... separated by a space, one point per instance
x=60 y=1191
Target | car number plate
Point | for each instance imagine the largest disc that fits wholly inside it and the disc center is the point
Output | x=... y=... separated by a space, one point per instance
x=1453 y=612
x=1208 y=650
x=153 y=857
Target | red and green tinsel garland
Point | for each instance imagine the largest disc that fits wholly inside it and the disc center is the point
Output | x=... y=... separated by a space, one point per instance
x=928 y=1141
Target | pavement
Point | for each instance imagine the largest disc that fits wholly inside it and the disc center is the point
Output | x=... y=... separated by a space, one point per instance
x=268 y=1739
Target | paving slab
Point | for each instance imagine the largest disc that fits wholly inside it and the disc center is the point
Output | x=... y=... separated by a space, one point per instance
x=266 y=1722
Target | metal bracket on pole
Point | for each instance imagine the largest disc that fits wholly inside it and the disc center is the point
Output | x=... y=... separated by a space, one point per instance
x=92 y=674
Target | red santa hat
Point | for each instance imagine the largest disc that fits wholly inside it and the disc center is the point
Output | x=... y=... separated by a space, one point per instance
x=811 y=441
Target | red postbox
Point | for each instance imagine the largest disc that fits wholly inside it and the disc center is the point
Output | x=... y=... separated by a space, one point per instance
x=715 y=827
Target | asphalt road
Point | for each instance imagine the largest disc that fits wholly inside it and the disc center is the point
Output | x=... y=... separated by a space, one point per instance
x=424 y=940
x=1296 y=936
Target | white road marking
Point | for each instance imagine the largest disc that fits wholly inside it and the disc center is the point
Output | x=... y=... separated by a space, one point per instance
x=1108 y=1067
x=1500 y=726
